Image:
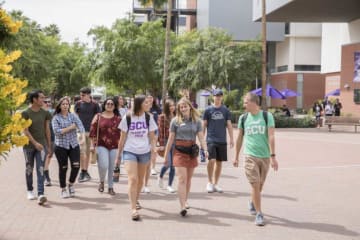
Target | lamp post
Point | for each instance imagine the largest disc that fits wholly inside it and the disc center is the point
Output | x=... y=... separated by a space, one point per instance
x=263 y=59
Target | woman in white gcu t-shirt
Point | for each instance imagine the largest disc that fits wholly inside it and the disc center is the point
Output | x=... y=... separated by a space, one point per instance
x=137 y=143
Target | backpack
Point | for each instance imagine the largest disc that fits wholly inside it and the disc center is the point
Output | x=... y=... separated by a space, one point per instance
x=243 y=119
x=128 y=120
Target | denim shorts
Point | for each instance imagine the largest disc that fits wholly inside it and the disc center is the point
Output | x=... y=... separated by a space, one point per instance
x=139 y=158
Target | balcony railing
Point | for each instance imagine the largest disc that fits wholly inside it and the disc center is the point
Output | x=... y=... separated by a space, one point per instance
x=182 y=7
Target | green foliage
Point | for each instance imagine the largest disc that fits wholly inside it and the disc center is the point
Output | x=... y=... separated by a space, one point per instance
x=289 y=122
x=46 y=63
x=130 y=56
x=230 y=99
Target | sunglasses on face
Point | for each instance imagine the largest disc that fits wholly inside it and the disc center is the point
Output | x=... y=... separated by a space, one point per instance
x=109 y=104
x=47 y=102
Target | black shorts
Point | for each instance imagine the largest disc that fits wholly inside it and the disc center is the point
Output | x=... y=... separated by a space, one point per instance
x=217 y=151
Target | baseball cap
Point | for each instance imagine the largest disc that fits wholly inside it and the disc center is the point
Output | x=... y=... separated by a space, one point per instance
x=217 y=92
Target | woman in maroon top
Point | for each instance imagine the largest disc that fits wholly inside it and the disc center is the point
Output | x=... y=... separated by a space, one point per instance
x=106 y=141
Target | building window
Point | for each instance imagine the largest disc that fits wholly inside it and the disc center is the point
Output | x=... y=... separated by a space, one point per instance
x=282 y=68
x=357 y=96
x=314 y=68
x=287 y=28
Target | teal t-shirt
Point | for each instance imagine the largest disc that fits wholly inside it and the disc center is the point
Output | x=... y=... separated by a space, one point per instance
x=256 y=141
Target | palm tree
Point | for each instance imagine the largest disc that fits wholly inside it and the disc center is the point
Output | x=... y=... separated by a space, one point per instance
x=155 y=4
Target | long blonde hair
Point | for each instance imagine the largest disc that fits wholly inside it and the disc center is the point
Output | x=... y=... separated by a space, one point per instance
x=194 y=113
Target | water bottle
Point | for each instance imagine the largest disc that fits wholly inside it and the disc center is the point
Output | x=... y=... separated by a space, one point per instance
x=116 y=174
x=202 y=155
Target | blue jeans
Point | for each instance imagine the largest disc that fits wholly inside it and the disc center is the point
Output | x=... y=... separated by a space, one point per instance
x=169 y=165
x=106 y=162
x=32 y=156
x=138 y=158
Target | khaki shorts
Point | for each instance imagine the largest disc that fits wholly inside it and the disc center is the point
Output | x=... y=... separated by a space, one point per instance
x=85 y=147
x=256 y=169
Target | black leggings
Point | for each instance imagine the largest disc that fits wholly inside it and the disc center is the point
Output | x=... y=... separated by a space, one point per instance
x=62 y=155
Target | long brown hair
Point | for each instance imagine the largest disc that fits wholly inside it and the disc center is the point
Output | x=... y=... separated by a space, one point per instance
x=58 y=105
x=194 y=114
x=167 y=112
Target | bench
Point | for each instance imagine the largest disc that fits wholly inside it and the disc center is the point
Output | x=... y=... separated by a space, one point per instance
x=340 y=120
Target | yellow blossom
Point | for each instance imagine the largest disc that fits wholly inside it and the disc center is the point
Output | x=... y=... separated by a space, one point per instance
x=4 y=147
x=19 y=140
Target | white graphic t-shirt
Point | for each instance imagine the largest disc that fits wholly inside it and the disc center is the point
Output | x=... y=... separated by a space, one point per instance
x=137 y=140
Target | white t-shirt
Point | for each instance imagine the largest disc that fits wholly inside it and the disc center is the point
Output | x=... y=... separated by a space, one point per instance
x=137 y=140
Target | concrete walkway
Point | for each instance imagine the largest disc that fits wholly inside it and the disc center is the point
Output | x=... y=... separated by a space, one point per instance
x=314 y=195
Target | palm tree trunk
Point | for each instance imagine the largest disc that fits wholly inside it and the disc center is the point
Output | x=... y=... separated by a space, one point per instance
x=263 y=61
x=167 y=52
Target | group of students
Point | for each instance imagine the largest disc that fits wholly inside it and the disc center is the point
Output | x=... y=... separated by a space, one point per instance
x=135 y=137
x=326 y=108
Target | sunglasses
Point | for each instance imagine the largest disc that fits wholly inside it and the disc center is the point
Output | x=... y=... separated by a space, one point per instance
x=110 y=104
x=47 y=102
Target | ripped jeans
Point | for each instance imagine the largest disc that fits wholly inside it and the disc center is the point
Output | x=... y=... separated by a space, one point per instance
x=33 y=156
x=63 y=155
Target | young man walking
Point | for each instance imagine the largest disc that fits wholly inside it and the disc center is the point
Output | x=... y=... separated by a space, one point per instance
x=256 y=130
x=215 y=120
x=86 y=109
x=39 y=144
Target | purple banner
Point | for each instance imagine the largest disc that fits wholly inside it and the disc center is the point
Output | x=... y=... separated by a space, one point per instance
x=357 y=67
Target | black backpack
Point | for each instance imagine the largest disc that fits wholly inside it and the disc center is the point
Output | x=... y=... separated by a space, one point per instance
x=128 y=120
x=243 y=119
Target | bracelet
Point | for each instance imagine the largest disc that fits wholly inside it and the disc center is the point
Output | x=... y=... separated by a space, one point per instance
x=272 y=155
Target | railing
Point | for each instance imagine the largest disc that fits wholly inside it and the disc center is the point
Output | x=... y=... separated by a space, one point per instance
x=177 y=4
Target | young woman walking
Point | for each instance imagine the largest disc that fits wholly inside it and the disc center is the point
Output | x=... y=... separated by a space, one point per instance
x=67 y=147
x=164 y=125
x=105 y=136
x=183 y=131
x=137 y=145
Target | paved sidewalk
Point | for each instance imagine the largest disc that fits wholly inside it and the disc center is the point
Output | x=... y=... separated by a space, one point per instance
x=314 y=195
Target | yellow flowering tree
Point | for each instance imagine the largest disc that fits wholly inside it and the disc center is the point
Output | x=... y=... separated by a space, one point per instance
x=11 y=93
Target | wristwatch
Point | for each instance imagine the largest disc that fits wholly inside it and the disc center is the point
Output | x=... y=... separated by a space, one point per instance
x=272 y=155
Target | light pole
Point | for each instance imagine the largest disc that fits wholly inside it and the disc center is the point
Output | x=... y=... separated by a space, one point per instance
x=263 y=60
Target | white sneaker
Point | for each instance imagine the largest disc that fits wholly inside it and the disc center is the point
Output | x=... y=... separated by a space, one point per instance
x=160 y=182
x=153 y=171
x=146 y=190
x=64 y=193
x=42 y=199
x=71 y=191
x=170 y=189
x=210 y=188
x=218 y=189
x=30 y=195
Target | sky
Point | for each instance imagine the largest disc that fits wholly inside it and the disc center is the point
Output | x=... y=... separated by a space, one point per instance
x=73 y=17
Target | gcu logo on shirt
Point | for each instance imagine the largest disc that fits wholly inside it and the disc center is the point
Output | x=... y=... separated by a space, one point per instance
x=138 y=125
x=255 y=129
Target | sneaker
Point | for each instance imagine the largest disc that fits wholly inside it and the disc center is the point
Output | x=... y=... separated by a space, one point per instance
x=64 y=193
x=47 y=182
x=160 y=182
x=170 y=189
x=87 y=177
x=210 y=188
x=42 y=199
x=146 y=190
x=218 y=189
x=31 y=195
x=251 y=208
x=153 y=171
x=71 y=191
x=81 y=177
x=259 y=219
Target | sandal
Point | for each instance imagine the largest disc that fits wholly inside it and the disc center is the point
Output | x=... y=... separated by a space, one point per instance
x=101 y=187
x=111 y=191
x=187 y=206
x=138 y=206
x=183 y=212
x=135 y=216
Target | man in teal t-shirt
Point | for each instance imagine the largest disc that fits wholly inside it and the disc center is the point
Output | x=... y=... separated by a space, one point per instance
x=256 y=129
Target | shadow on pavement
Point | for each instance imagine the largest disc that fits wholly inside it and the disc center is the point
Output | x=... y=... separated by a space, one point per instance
x=320 y=227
